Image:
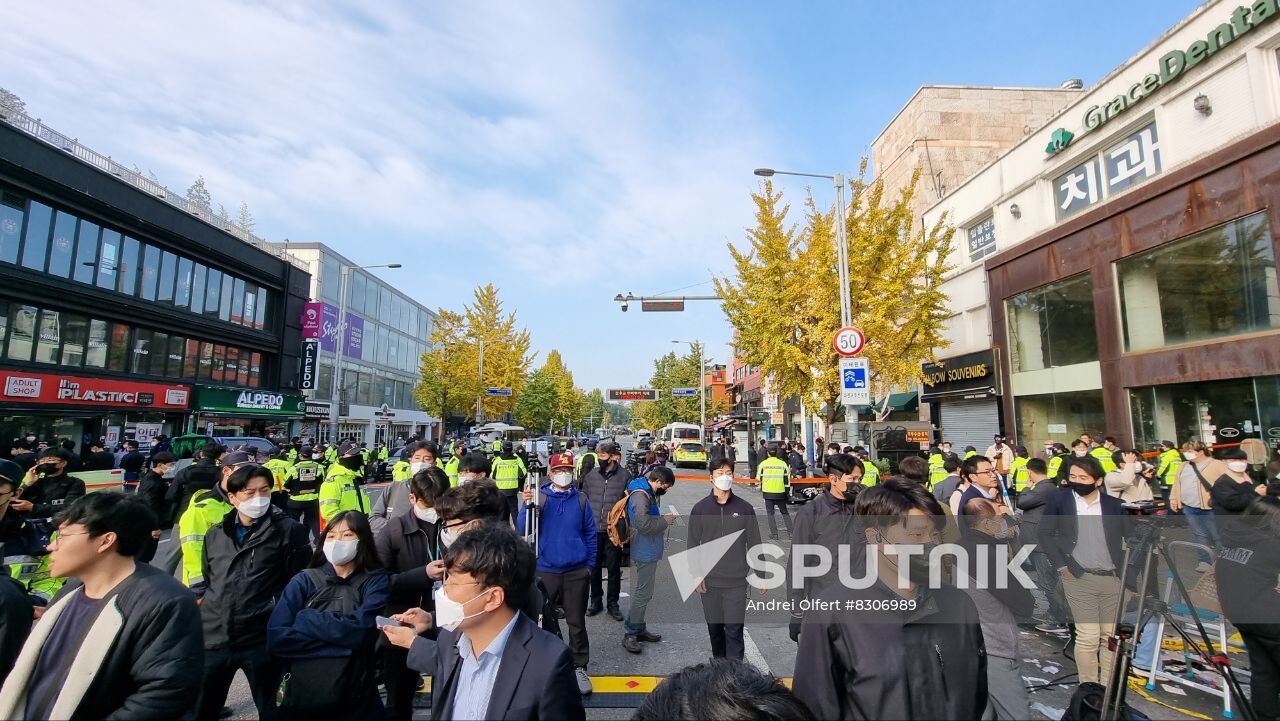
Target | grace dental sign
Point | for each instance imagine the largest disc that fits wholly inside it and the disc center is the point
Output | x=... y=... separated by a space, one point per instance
x=1172 y=66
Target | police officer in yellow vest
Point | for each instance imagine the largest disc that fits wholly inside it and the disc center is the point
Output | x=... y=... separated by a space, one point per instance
x=1058 y=455
x=970 y=452
x=291 y=454
x=496 y=446
x=451 y=465
x=1169 y=462
x=509 y=471
x=1018 y=476
x=403 y=468
x=303 y=486
x=870 y=471
x=937 y=465
x=1104 y=451
x=775 y=485
x=342 y=489
x=207 y=509
x=580 y=462
x=279 y=466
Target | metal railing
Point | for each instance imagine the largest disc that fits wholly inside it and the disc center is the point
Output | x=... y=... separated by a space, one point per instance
x=36 y=129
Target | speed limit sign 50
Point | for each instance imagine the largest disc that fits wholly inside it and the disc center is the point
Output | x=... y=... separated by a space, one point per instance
x=848 y=341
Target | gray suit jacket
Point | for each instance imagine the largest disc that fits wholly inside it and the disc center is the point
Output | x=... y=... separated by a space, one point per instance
x=535 y=679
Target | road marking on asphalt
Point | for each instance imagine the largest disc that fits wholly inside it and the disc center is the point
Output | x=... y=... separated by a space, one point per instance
x=751 y=653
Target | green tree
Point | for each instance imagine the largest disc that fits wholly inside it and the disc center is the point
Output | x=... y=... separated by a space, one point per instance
x=507 y=354
x=672 y=371
x=448 y=370
x=536 y=408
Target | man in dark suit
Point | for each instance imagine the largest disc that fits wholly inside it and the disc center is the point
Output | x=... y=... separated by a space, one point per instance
x=488 y=661
x=1082 y=538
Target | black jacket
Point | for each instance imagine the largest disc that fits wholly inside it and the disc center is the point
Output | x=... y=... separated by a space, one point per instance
x=1230 y=497
x=132 y=462
x=604 y=490
x=199 y=476
x=100 y=461
x=1059 y=530
x=928 y=663
x=51 y=494
x=535 y=676
x=1247 y=566
x=149 y=630
x=710 y=520
x=1031 y=503
x=825 y=521
x=242 y=583
x=25 y=461
x=795 y=462
x=15 y=622
x=152 y=488
x=405 y=550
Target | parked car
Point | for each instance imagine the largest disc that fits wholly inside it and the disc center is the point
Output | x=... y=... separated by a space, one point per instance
x=690 y=453
x=263 y=448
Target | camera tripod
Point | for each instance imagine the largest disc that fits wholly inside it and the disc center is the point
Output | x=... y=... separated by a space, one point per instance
x=532 y=512
x=1147 y=544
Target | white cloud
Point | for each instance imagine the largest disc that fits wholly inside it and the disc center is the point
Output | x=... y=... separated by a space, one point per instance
x=490 y=139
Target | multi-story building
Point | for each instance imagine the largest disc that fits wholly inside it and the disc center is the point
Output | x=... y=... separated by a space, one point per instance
x=1121 y=260
x=126 y=312
x=386 y=335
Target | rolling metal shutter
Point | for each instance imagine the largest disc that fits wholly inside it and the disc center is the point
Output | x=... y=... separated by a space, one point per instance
x=969 y=423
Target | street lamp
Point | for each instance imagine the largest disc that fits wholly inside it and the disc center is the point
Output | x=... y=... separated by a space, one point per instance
x=842 y=250
x=702 y=387
x=336 y=403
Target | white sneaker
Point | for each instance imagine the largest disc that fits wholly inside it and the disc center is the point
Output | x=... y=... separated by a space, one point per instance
x=1202 y=567
x=584 y=681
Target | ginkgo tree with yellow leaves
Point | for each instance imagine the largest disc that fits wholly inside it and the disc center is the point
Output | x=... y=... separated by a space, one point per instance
x=784 y=299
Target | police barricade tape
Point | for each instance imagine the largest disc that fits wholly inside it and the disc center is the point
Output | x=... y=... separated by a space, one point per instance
x=752 y=481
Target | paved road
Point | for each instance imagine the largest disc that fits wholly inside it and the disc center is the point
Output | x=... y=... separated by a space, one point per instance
x=768 y=646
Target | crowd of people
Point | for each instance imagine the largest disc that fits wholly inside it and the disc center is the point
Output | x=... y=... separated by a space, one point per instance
x=463 y=571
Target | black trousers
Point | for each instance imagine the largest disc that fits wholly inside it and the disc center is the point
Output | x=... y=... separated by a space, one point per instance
x=401 y=681
x=725 y=609
x=514 y=503
x=308 y=514
x=607 y=556
x=1263 y=643
x=220 y=666
x=769 y=505
x=571 y=588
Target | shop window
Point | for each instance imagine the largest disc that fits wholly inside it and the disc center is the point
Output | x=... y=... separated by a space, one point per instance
x=99 y=341
x=109 y=261
x=75 y=332
x=232 y=366
x=206 y=361
x=330 y=278
x=1214 y=284
x=130 y=260
x=219 y=362
x=4 y=322
x=182 y=288
x=191 y=359
x=213 y=293
x=237 y=301
x=242 y=371
x=140 y=357
x=324 y=382
x=36 y=239
x=48 y=337
x=350 y=384
x=62 y=247
x=355 y=292
x=260 y=310
x=198 y=274
x=150 y=272
x=224 y=306
x=118 y=358
x=1052 y=325
x=172 y=357
x=1225 y=411
x=371 y=297
x=168 y=273
x=364 y=392
x=1059 y=416
x=255 y=370
x=22 y=332
x=982 y=238
x=250 y=305
x=384 y=302
x=12 y=214
x=86 y=252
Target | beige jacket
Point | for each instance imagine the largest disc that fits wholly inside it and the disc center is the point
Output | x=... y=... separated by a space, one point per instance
x=1125 y=483
x=1211 y=469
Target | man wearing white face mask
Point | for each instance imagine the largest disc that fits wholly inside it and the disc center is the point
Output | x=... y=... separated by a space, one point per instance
x=724 y=590
x=566 y=553
x=394 y=500
x=248 y=559
x=489 y=661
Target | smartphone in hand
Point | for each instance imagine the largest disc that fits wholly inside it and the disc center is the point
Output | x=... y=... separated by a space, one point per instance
x=384 y=621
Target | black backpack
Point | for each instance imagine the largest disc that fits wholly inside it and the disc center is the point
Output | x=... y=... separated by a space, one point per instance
x=1086 y=705
x=331 y=681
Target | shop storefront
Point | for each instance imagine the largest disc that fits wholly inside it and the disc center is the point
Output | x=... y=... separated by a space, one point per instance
x=963 y=393
x=84 y=408
x=315 y=420
x=238 y=412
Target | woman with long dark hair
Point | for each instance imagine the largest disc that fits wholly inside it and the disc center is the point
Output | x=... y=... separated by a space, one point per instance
x=322 y=631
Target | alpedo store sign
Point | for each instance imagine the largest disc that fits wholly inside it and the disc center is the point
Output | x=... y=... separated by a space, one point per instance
x=236 y=400
x=1170 y=68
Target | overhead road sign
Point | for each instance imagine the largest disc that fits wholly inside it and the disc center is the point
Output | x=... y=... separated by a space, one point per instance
x=684 y=392
x=659 y=306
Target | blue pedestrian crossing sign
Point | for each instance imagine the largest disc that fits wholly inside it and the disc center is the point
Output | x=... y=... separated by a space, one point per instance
x=855 y=386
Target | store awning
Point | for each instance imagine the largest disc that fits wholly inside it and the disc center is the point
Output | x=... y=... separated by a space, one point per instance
x=721 y=425
x=909 y=401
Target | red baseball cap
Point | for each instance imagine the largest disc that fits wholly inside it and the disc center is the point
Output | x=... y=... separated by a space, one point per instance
x=560 y=460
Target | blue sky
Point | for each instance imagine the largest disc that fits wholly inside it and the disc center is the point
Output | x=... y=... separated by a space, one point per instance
x=565 y=151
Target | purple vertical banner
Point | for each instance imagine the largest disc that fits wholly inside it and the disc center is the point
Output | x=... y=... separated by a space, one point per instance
x=312 y=316
x=355 y=337
x=329 y=329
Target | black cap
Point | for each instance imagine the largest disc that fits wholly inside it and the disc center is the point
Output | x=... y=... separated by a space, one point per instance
x=348 y=450
x=237 y=457
x=305 y=451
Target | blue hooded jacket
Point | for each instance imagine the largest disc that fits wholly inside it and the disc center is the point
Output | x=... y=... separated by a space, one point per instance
x=648 y=539
x=566 y=531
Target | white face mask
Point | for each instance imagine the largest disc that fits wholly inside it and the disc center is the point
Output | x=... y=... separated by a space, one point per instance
x=426 y=514
x=562 y=479
x=449 y=613
x=448 y=536
x=723 y=482
x=1189 y=456
x=1238 y=466
x=255 y=507
x=1081 y=454
x=340 y=552
x=419 y=466
x=465 y=478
